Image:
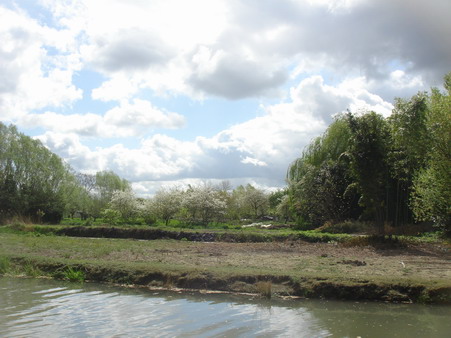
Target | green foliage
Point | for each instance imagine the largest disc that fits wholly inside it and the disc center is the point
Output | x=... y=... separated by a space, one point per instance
x=74 y=275
x=319 y=179
x=369 y=163
x=34 y=182
x=112 y=217
x=5 y=265
x=395 y=168
x=31 y=270
x=432 y=186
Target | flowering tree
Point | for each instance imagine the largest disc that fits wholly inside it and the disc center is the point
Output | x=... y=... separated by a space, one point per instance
x=204 y=203
x=166 y=204
x=125 y=203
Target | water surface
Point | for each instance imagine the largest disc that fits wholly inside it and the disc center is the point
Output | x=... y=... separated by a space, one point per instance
x=48 y=308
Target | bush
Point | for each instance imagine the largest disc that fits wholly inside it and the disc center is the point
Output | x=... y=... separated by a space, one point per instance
x=112 y=217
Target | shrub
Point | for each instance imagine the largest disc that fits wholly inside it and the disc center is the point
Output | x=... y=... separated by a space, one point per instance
x=112 y=217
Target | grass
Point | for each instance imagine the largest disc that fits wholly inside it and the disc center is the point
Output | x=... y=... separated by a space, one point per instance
x=5 y=265
x=74 y=275
x=307 y=267
x=264 y=289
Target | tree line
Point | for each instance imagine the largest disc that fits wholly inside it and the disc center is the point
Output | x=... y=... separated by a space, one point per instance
x=38 y=186
x=393 y=170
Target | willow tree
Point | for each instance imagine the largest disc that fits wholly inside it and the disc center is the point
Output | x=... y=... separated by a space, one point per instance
x=34 y=182
x=319 y=180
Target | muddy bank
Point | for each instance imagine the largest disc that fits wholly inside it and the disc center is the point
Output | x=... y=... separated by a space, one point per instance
x=196 y=236
x=259 y=285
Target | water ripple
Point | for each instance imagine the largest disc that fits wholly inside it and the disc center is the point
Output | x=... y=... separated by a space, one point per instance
x=35 y=308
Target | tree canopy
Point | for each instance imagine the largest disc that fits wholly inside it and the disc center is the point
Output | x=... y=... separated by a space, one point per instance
x=393 y=170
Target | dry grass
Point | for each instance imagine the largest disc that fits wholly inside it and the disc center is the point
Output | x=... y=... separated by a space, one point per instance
x=264 y=289
x=203 y=263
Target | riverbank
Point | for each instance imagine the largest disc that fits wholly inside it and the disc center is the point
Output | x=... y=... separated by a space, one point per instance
x=415 y=272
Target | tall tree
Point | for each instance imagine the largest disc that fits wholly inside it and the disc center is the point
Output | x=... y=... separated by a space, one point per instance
x=370 y=142
x=432 y=186
x=106 y=183
x=319 y=179
x=409 y=150
x=34 y=182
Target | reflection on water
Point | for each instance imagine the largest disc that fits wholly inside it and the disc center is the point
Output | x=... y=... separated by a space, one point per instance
x=34 y=308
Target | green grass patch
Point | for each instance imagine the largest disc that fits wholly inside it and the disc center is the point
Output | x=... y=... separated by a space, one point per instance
x=74 y=275
x=5 y=265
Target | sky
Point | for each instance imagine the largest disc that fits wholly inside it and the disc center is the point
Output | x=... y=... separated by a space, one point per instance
x=176 y=92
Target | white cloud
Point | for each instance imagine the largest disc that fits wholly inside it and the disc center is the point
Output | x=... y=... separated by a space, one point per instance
x=367 y=52
x=259 y=149
x=30 y=77
x=117 y=88
x=158 y=157
x=253 y=161
x=129 y=119
x=233 y=75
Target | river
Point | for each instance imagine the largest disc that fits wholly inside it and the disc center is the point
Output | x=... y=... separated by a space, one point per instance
x=49 y=308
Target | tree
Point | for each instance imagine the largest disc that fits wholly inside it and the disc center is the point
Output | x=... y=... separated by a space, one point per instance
x=368 y=152
x=432 y=186
x=106 y=183
x=125 y=203
x=319 y=180
x=283 y=208
x=166 y=204
x=34 y=182
x=250 y=202
x=256 y=200
x=408 y=153
x=203 y=203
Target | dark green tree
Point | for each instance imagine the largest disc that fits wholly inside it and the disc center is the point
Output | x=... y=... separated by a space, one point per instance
x=34 y=182
x=432 y=186
x=409 y=151
x=370 y=142
x=319 y=180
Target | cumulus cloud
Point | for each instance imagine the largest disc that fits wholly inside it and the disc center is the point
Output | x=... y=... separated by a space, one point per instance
x=232 y=75
x=259 y=149
x=129 y=50
x=366 y=52
x=30 y=77
x=126 y=120
x=264 y=146
x=158 y=157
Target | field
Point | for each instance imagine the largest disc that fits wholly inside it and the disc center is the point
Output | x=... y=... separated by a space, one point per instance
x=347 y=268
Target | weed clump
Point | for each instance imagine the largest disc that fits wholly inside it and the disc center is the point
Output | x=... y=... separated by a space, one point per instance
x=264 y=289
x=74 y=275
x=5 y=265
